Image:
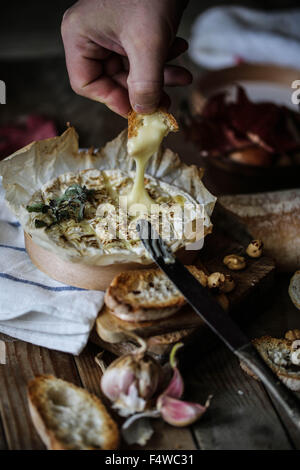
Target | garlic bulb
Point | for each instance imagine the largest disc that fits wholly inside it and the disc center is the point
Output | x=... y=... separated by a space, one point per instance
x=130 y=382
x=168 y=406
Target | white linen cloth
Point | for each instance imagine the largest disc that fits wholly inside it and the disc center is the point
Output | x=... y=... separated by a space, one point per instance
x=35 y=308
x=225 y=36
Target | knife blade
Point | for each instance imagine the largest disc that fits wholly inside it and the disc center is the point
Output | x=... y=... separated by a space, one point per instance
x=215 y=317
x=195 y=294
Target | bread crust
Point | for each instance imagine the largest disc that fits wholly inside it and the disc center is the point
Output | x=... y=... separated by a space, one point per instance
x=37 y=401
x=265 y=346
x=135 y=120
x=122 y=296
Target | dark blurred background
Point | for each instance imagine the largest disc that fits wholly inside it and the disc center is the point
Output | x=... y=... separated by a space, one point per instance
x=33 y=68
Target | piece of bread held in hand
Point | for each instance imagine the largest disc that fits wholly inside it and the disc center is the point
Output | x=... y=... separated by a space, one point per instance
x=146 y=294
x=68 y=417
x=135 y=121
x=277 y=353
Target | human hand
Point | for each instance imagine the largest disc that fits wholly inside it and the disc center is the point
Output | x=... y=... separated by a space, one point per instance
x=116 y=51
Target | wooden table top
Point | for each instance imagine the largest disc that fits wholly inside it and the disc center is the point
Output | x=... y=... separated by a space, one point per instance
x=241 y=416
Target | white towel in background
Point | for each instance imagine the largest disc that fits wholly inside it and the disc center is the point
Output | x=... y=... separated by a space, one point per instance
x=35 y=308
x=225 y=36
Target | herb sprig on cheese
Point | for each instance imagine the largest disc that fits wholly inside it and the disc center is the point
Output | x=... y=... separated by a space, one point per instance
x=70 y=205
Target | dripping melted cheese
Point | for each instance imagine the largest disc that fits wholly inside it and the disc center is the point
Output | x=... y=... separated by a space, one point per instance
x=141 y=147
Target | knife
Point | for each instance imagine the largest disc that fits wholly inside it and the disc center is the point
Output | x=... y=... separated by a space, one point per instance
x=216 y=318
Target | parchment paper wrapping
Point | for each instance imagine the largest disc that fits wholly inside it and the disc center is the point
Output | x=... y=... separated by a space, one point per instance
x=27 y=170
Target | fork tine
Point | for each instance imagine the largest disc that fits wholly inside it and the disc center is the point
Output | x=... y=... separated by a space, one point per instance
x=144 y=229
x=153 y=242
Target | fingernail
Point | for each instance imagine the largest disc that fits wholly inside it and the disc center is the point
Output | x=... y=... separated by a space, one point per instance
x=145 y=109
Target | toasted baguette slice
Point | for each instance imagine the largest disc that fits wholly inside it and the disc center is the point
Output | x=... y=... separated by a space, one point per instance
x=135 y=121
x=146 y=294
x=276 y=353
x=294 y=289
x=67 y=417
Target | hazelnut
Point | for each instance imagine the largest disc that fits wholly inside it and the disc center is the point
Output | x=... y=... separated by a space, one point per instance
x=215 y=280
x=254 y=249
x=292 y=335
x=228 y=285
x=295 y=354
x=234 y=262
x=223 y=301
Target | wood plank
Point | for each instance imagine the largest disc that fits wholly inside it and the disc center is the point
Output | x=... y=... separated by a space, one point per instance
x=89 y=372
x=24 y=361
x=241 y=416
x=3 y=442
x=168 y=437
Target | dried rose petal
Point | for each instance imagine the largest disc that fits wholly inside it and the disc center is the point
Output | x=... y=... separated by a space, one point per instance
x=225 y=126
x=180 y=413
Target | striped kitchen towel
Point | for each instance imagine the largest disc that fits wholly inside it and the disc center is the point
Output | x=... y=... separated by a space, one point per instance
x=35 y=308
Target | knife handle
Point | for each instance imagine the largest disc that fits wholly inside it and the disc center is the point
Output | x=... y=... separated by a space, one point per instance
x=289 y=402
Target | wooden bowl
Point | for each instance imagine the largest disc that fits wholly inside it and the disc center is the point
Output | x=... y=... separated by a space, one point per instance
x=84 y=275
x=224 y=176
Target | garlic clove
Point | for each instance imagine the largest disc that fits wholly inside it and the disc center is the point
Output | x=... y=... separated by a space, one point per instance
x=175 y=388
x=130 y=381
x=130 y=403
x=149 y=376
x=180 y=413
x=116 y=381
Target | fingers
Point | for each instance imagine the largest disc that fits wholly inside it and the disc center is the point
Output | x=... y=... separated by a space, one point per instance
x=102 y=75
x=175 y=75
x=92 y=78
x=146 y=73
x=106 y=90
x=89 y=78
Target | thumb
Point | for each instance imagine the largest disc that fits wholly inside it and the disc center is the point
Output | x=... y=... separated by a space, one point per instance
x=146 y=74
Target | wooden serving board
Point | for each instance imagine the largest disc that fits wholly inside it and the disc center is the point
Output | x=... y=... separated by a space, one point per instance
x=252 y=285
